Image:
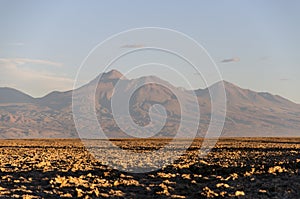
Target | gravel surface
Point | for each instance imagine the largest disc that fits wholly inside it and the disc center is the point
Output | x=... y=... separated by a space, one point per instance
x=236 y=167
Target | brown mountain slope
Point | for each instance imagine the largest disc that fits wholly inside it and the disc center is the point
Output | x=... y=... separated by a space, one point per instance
x=10 y=95
x=249 y=113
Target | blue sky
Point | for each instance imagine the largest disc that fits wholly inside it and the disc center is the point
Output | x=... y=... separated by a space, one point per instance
x=43 y=43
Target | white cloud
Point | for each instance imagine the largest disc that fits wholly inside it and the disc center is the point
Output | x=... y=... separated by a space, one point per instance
x=28 y=61
x=36 y=83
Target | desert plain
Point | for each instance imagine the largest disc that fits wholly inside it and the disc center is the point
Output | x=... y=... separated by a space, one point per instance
x=234 y=168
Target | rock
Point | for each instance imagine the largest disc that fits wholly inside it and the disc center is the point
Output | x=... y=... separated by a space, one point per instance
x=239 y=193
x=222 y=185
x=79 y=192
x=276 y=169
x=262 y=191
x=177 y=196
x=207 y=192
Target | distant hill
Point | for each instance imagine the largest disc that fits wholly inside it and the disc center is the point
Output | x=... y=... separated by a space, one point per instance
x=249 y=113
x=10 y=95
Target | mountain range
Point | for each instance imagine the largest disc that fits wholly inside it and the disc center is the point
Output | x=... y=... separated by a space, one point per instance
x=248 y=114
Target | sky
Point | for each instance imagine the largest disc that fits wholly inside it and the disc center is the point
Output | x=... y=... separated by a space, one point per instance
x=255 y=44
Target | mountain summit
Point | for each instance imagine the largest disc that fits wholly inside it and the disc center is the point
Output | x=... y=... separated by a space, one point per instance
x=113 y=74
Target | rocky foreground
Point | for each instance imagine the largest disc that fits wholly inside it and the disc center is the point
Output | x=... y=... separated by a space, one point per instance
x=244 y=167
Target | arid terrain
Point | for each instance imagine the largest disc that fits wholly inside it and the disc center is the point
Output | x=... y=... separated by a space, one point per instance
x=249 y=113
x=236 y=167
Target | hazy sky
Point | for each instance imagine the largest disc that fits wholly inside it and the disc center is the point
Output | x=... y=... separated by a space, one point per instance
x=256 y=44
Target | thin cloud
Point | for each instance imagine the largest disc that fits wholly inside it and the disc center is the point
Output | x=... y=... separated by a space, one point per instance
x=21 y=61
x=284 y=79
x=33 y=81
x=264 y=58
x=16 y=44
x=133 y=46
x=234 y=59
